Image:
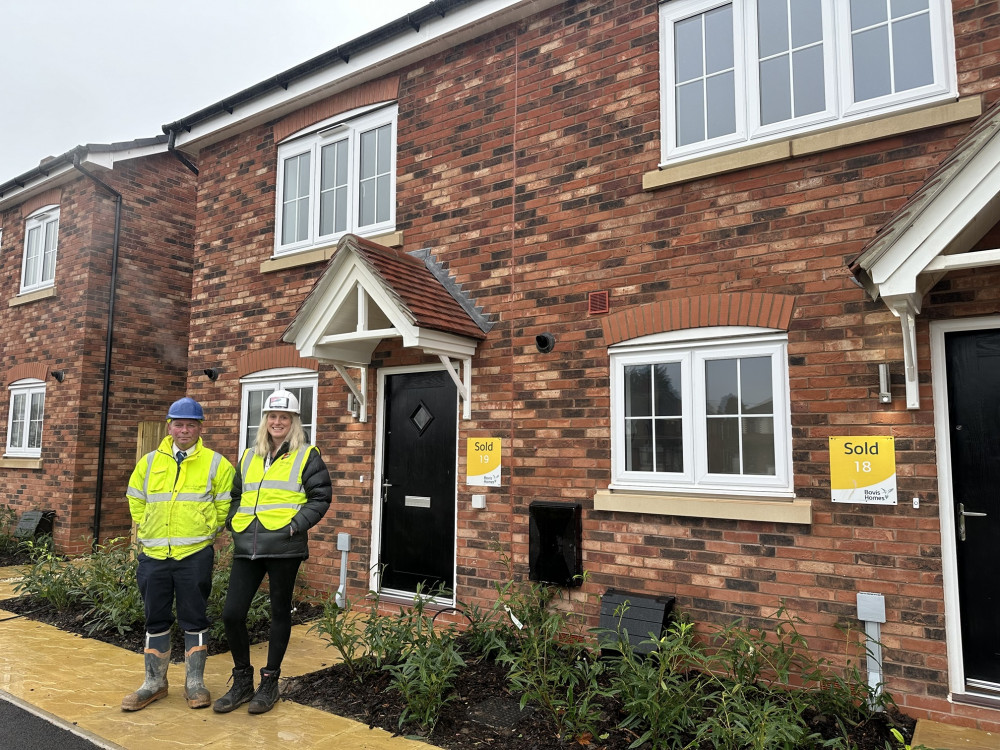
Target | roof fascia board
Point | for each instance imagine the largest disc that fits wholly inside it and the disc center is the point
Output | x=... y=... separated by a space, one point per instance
x=960 y=205
x=60 y=170
x=459 y=25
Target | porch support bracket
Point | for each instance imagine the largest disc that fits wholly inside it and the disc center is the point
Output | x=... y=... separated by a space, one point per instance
x=906 y=308
x=463 y=383
x=357 y=401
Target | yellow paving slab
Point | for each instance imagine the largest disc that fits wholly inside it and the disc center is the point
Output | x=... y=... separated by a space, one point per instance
x=9 y=577
x=936 y=736
x=82 y=681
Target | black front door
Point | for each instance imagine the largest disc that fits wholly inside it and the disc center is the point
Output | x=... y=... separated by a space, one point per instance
x=418 y=482
x=973 y=362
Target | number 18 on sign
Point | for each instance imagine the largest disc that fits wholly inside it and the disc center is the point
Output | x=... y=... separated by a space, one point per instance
x=863 y=470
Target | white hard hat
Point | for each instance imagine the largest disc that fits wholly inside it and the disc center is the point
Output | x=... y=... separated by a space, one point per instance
x=281 y=401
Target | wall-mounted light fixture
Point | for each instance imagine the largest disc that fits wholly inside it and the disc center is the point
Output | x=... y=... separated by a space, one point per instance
x=545 y=342
x=59 y=375
x=211 y=373
x=884 y=394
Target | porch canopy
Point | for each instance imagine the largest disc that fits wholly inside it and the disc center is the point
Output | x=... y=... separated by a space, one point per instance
x=938 y=230
x=370 y=292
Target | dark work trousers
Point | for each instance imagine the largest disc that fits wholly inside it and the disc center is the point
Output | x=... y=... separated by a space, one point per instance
x=189 y=580
x=244 y=581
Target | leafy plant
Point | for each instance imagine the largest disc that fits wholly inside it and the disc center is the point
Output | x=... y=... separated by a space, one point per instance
x=426 y=679
x=9 y=544
x=107 y=586
x=344 y=631
x=50 y=577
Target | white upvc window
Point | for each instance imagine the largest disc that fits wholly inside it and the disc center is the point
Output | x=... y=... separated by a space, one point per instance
x=41 y=241
x=339 y=177
x=702 y=411
x=256 y=387
x=24 y=420
x=738 y=71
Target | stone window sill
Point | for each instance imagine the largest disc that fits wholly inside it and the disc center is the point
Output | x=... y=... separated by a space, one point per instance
x=772 y=509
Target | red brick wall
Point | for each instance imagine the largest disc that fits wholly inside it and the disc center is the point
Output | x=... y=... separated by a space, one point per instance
x=520 y=163
x=68 y=332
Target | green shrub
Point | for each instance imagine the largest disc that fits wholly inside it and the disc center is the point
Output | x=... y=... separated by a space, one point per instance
x=426 y=679
x=106 y=584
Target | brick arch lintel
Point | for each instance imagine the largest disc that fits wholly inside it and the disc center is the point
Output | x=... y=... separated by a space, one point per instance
x=35 y=370
x=374 y=92
x=757 y=309
x=271 y=358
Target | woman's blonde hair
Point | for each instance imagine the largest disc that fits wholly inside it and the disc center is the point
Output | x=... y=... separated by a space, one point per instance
x=296 y=436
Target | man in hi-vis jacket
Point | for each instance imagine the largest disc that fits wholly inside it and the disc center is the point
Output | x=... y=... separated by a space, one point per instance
x=178 y=496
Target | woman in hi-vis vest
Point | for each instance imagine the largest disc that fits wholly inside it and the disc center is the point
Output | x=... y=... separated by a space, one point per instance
x=281 y=489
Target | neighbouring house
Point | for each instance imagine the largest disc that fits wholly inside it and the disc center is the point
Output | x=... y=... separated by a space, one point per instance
x=698 y=297
x=96 y=262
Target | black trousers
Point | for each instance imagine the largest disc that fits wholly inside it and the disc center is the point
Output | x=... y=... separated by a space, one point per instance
x=188 y=580
x=244 y=581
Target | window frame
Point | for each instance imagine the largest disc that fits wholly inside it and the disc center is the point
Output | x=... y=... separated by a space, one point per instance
x=270 y=380
x=692 y=348
x=350 y=127
x=29 y=389
x=840 y=106
x=40 y=220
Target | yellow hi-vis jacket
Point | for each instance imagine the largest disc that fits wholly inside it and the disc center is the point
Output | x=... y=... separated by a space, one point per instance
x=274 y=496
x=179 y=510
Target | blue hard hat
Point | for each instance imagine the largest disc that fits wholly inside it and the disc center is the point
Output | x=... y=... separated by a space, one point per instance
x=186 y=408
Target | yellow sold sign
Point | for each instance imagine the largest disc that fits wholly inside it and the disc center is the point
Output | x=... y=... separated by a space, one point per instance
x=483 y=461
x=863 y=470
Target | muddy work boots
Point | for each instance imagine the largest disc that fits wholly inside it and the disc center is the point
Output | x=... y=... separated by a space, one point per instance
x=239 y=693
x=157 y=657
x=195 y=654
x=267 y=692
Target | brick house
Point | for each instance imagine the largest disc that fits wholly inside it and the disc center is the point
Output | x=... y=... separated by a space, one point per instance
x=710 y=284
x=98 y=239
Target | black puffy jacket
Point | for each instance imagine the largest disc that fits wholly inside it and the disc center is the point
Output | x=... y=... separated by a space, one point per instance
x=256 y=541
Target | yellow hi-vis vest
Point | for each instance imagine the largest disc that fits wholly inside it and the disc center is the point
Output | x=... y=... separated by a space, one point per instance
x=273 y=496
x=179 y=510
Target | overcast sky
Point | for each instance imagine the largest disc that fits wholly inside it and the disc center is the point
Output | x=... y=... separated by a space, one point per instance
x=99 y=71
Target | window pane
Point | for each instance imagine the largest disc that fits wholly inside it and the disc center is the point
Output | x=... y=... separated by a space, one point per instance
x=667 y=389
x=638 y=391
x=688 y=52
x=32 y=256
x=255 y=405
x=772 y=27
x=384 y=150
x=911 y=52
x=333 y=188
x=758 y=446
x=49 y=257
x=775 y=90
x=723 y=445
x=807 y=23
x=721 y=105
x=669 y=445
x=756 y=396
x=366 y=211
x=719 y=51
x=904 y=7
x=368 y=145
x=867 y=13
x=305 y=397
x=870 y=58
x=721 y=387
x=35 y=424
x=690 y=113
x=295 y=194
x=17 y=414
x=809 y=86
x=341 y=210
x=382 y=206
x=638 y=445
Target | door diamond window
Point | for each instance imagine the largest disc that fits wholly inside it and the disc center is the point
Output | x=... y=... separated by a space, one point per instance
x=421 y=417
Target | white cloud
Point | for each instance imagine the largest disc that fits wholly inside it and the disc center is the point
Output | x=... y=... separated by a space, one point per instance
x=100 y=71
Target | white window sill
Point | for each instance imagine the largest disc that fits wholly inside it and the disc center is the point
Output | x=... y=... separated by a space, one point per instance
x=23 y=299
x=773 y=509
x=19 y=462
x=753 y=155
x=321 y=254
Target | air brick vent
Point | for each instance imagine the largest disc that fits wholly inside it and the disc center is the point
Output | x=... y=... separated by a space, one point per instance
x=597 y=303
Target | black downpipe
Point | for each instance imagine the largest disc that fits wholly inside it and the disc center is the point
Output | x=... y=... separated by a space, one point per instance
x=171 y=138
x=109 y=340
